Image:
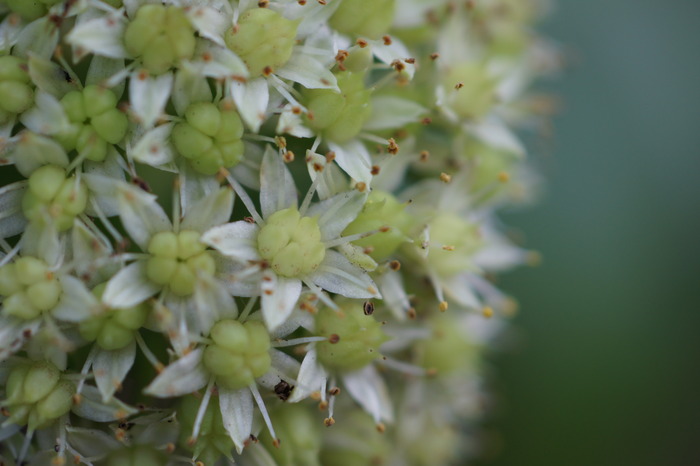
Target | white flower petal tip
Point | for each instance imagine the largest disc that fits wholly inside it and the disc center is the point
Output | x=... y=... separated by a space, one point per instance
x=279 y=296
x=186 y=375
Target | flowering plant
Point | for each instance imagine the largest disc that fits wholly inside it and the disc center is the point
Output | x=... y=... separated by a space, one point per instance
x=169 y=297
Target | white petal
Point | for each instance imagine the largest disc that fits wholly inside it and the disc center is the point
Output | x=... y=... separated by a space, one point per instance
x=77 y=302
x=190 y=86
x=237 y=240
x=237 y=414
x=129 y=287
x=332 y=179
x=216 y=61
x=141 y=214
x=103 y=188
x=184 y=376
x=10 y=29
x=338 y=212
x=390 y=112
x=209 y=22
x=47 y=116
x=214 y=209
x=251 y=99
x=337 y=275
x=13 y=220
x=278 y=190
x=279 y=295
x=110 y=368
x=194 y=186
x=148 y=95
x=50 y=77
x=308 y=71
x=311 y=377
x=88 y=249
x=43 y=241
x=459 y=290
x=101 y=36
x=34 y=150
x=39 y=37
x=292 y=124
x=91 y=442
x=154 y=148
x=495 y=133
x=394 y=51
x=313 y=15
x=212 y=303
x=14 y=333
x=102 y=70
x=393 y=293
x=91 y=407
x=354 y=159
x=285 y=368
x=367 y=388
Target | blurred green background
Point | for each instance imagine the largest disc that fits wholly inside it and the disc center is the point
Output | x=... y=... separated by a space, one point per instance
x=606 y=368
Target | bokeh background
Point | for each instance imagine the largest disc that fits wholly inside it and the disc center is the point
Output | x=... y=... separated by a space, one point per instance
x=605 y=367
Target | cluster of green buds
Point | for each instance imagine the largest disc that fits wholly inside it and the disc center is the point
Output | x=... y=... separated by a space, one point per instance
x=257 y=232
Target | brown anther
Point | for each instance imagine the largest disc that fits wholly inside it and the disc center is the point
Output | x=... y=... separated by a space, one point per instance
x=143 y=75
x=269 y=292
x=77 y=399
x=253 y=439
x=384 y=229
x=276 y=443
x=368 y=308
x=288 y=156
x=469 y=4
x=362 y=43
x=239 y=79
x=443 y=306
x=392 y=148
x=5 y=412
x=170 y=447
x=368 y=250
x=296 y=110
x=267 y=71
x=361 y=186
x=27 y=333
x=459 y=86
x=426 y=121
x=487 y=312
x=310 y=115
x=58 y=461
x=191 y=441
x=381 y=428
x=329 y=421
x=249 y=219
x=434 y=56
x=398 y=66
x=410 y=61
x=302 y=2
x=395 y=265
x=445 y=178
x=318 y=167
x=323 y=405
x=281 y=142
x=432 y=372
x=411 y=313
x=503 y=177
x=160 y=367
x=263 y=3
x=335 y=391
x=199 y=463
x=316 y=396
x=448 y=247
x=341 y=56
x=375 y=170
x=120 y=434
x=424 y=156
x=333 y=339
x=330 y=156
x=206 y=56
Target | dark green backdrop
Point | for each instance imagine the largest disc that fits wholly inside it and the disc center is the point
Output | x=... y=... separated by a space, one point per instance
x=607 y=372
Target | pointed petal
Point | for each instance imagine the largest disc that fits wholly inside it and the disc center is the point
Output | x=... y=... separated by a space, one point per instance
x=50 y=77
x=194 y=186
x=212 y=302
x=184 y=376
x=34 y=150
x=47 y=116
x=284 y=367
x=354 y=159
x=278 y=190
x=154 y=148
x=210 y=211
x=148 y=96
x=141 y=214
x=101 y=36
x=495 y=133
x=393 y=293
x=279 y=295
x=390 y=112
x=337 y=275
x=43 y=241
x=110 y=368
x=102 y=70
x=237 y=414
x=292 y=124
x=367 y=388
x=91 y=407
x=190 y=86
x=237 y=240
x=338 y=212
x=311 y=377
x=77 y=302
x=13 y=220
x=219 y=62
x=93 y=443
x=251 y=99
x=209 y=22
x=129 y=287
x=39 y=37
x=306 y=70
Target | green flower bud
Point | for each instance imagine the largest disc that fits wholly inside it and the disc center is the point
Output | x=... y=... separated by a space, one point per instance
x=16 y=88
x=53 y=197
x=213 y=440
x=30 y=288
x=95 y=122
x=30 y=10
x=300 y=436
x=381 y=209
x=447 y=349
x=114 y=328
x=160 y=36
x=176 y=259
x=36 y=394
x=339 y=117
x=367 y=18
x=472 y=90
x=238 y=353
x=353 y=337
x=210 y=138
x=291 y=243
x=138 y=455
x=264 y=40
x=453 y=241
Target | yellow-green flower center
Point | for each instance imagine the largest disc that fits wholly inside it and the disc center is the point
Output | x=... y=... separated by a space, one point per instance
x=471 y=90
x=453 y=242
x=366 y=18
x=291 y=244
x=54 y=197
x=16 y=88
x=29 y=288
x=238 y=353
x=177 y=259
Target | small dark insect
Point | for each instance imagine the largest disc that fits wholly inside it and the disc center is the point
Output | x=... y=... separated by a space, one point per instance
x=126 y=425
x=368 y=308
x=141 y=184
x=283 y=390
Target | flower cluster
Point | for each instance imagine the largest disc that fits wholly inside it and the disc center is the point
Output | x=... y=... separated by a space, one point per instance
x=218 y=216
